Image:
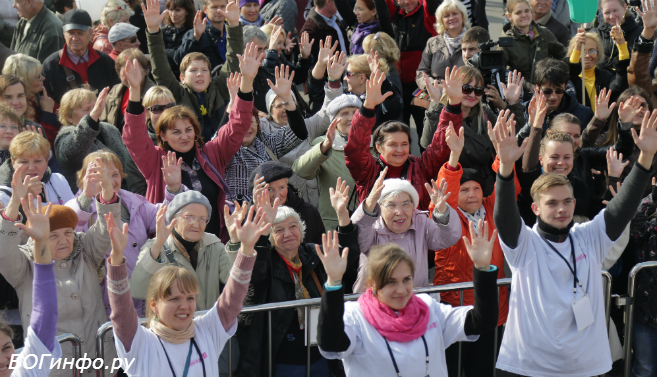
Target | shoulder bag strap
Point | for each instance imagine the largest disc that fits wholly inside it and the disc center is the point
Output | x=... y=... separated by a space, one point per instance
x=169 y=254
x=319 y=286
x=70 y=76
x=221 y=179
x=271 y=154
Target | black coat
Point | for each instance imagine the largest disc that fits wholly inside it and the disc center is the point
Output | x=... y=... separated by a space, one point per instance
x=271 y=282
x=616 y=82
x=630 y=28
x=173 y=38
x=206 y=45
x=643 y=231
x=309 y=215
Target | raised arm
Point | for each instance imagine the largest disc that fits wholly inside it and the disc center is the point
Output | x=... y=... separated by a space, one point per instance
x=307 y=166
x=638 y=73
x=451 y=171
x=234 y=45
x=538 y=107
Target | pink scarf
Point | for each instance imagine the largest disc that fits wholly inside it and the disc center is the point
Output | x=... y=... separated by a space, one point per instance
x=410 y=324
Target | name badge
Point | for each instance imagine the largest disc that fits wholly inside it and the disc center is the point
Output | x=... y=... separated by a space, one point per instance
x=583 y=313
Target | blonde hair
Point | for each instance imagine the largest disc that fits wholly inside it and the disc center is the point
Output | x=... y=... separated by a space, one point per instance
x=558 y=136
x=598 y=45
x=268 y=29
x=111 y=10
x=155 y=94
x=382 y=261
x=477 y=112
x=510 y=4
x=384 y=45
x=72 y=100
x=359 y=64
x=25 y=67
x=29 y=144
x=132 y=54
x=160 y=285
x=107 y=157
x=447 y=6
x=544 y=182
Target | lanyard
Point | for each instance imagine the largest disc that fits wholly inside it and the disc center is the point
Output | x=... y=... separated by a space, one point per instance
x=189 y=357
x=572 y=269
x=394 y=362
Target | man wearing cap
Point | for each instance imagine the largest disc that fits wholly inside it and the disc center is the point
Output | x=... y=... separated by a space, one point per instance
x=122 y=36
x=77 y=65
x=39 y=31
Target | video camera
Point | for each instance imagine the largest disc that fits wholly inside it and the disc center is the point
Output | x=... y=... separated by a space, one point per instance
x=486 y=60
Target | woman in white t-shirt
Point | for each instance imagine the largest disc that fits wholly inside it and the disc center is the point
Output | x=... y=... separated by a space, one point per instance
x=175 y=343
x=390 y=331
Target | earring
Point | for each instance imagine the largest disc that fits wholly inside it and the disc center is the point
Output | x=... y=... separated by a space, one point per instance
x=155 y=319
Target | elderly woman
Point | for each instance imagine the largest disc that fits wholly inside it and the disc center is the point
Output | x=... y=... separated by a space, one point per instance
x=114 y=12
x=117 y=98
x=78 y=257
x=83 y=133
x=387 y=215
x=29 y=154
x=286 y=269
x=155 y=101
x=177 y=22
x=444 y=50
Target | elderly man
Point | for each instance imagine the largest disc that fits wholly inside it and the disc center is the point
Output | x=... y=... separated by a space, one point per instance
x=39 y=31
x=122 y=36
x=77 y=64
x=543 y=15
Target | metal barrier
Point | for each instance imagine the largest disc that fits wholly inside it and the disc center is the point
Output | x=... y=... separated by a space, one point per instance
x=75 y=342
x=629 y=313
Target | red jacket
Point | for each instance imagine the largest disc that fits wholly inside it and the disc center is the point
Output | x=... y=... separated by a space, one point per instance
x=453 y=265
x=220 y=151
x=100 y=40
x=365 y=169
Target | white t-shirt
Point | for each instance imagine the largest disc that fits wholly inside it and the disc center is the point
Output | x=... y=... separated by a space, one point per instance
x=541 y=337
x=368 y=354
x=150 y=359
x=34 y=346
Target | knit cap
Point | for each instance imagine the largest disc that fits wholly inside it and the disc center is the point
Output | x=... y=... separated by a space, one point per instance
x=396 y=184
x=244 y=2
x=472 y=175
x=60 y=217
x=340 y=102
x=184 y=199
x=272 y=171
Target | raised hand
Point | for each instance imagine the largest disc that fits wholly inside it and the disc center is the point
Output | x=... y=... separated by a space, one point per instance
x=615 y=164
x=278 y=21
x=373 y=96
x=334 y=264
x=617 y=35
x=375 y=194
x=119 y=240
x=373 y=60
x=494 y=97
x=98 y=173
x=39 y=228
x=231 y=14
x=326 y=51
x=233 y=219
x=34 y=129
x=20 y=183
x=513 y=91
x=602 y=107
x=438 y=194
x=134 y=74
x=648 y=15
x=580 y=37
x=152 y=15
x=46 y=103
x=455 y=141
x=162 y=231
x=337 y=64
x=100 y=104
x=453 y=84
x=434 y=88
x=283 y=85
x=541 y=111
x=259 y=184
x=627 y=111
x=647 y=139
x=273 y=39
x=339 y=201
x=289 y=43
x=508 y=150
x=480 y=248
x=306 y=45
x=249 y=65
x=200 y=24
x=171 y=171
x=233 y=84
x=90 y=187
x=330 y=136
x=264 y=202
x=249 y=232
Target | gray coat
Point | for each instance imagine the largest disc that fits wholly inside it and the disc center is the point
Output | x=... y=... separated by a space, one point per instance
x=435 y=58
x=286 y=9
x=43 y=36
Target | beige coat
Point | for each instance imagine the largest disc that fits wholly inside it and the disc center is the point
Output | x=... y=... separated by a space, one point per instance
x=79 y=300
x=212 y=269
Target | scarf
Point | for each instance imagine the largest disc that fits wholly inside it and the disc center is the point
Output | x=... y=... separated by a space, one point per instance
x=362 y=31
x=340 y=141
x=259 y=22
x=479 y=214
x=409 y=324
x=191 y=169
x=4 y=155
x=186 y=248
x=453 y=44
x=170 y=335
x=300 y=292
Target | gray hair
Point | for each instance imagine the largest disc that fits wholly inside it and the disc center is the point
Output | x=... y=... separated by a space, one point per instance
x=250 y=32
x=284 y=213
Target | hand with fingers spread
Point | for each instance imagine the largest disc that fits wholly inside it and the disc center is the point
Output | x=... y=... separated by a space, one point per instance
x=162 y=231
x=646 y=140
x=306 y=45
x=630 y=109
x=255 y=226
x=513 y=89
x=283 y=87
x=539 y=111
x=233 y=219
x=38 y=229
x=231 y=14
x=373 y=95
x=373 y=61
x=233 y=83
x=615 y=164
x=372 y=199
x=35 y=129
x=289 y=43
x=200 y=23
x=453 y=84
x=434 y=88
x=438 y=194
x=278 y=21
x=455 y=142
x=337 y=64
x=269 y=210
x=259 y=184
x=273 y=39
x=330 y=136
x=649 y=17
x=46 y=103
x=480 y=247
x=249 y=65
x=335 y=264
x=100 y=105
x=119 y=239
x=340 y=200
x=171 y=171
x=602 y=107
x=508 y=150
x=326 y=50
x=152 y=15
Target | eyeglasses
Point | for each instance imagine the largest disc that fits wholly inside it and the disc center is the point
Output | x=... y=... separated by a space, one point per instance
x=350 y=74
x=467 y=89
x=159 y=109
x=279 y=106
x=4 y=128
x=191 y=220
x=404 y=206
x=548 y=92
x=592 y=52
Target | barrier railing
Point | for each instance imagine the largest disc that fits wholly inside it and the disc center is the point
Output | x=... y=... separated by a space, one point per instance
x=629 y=312
x=77 y=348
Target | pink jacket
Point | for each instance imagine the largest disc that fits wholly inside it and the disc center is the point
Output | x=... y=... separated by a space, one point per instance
x=219 y=150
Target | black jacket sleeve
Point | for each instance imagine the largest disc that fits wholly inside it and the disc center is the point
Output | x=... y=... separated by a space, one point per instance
x=330 y=328
x=506 y=215
x=483 y=317
x=348 y=237
x=622 y=208
x=297 y=124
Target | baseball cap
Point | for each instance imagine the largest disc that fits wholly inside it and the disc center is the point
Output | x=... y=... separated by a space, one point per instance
x=120 y=31
x=77 y=19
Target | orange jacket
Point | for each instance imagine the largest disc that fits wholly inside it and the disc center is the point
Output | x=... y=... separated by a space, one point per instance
x=453 y=265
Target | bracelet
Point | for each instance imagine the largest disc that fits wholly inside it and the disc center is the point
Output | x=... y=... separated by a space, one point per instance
x=332 y=287
x=335 y=80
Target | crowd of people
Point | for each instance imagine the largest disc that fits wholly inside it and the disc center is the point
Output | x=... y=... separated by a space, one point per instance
x=208 y=155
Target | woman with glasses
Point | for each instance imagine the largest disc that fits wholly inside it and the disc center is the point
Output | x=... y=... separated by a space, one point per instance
x=156 y=100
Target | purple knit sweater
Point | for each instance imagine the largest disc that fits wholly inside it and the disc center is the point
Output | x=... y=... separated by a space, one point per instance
x=44 y=304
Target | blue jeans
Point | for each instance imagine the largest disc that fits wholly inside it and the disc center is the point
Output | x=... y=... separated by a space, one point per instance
x=644 y=341
x=318 y=369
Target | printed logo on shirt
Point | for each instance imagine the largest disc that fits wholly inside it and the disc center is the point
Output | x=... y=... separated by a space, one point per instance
x=290 y=338
x=432 y=325
x=580 y=257
x=204 y=111
x=194 y=362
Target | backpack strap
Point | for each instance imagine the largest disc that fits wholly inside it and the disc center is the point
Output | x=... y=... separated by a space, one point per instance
x=169 y=254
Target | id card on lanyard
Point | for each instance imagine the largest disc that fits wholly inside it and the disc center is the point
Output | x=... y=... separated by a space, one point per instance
x=582 y=307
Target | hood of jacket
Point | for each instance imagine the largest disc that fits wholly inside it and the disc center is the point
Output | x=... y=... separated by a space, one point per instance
x=100 y=31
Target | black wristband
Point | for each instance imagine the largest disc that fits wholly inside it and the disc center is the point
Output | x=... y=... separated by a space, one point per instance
x=245 y=96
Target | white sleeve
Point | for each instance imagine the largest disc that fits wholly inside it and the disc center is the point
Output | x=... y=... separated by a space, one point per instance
x=353 y=330
x=35 y=352
x=140 y=352
x=211 y=324
x=617 y=249
x=453 y=324
x=593 y=236
x=523 y=253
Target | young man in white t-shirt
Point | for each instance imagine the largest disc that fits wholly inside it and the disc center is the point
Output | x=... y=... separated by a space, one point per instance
x=556 y=323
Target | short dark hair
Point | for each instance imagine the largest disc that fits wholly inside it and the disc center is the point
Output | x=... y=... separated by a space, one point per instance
x=389 y=127
x=60 y=5
x=551 y=71
x=476 y=34
x=320 y=3
x=187 y=5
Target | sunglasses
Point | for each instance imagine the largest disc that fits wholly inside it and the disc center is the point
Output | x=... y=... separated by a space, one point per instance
x=158 y=109
x=131 y=40
x=350 y=74
x=467 y=89
x=548 y=92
